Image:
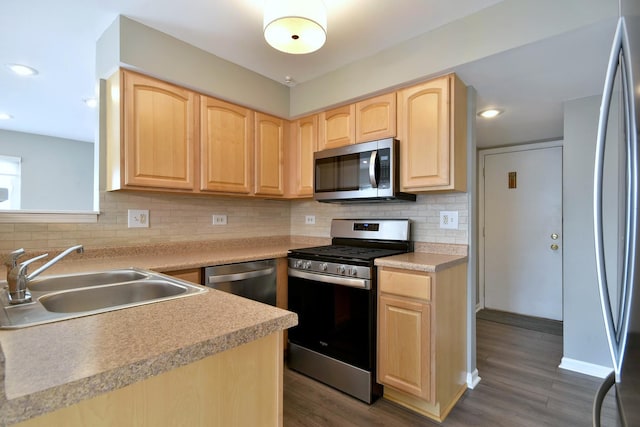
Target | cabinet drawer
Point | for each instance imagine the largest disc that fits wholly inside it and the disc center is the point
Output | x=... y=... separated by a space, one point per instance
x=401 y=283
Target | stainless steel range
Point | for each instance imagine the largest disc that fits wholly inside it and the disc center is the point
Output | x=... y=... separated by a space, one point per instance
x=333 y=290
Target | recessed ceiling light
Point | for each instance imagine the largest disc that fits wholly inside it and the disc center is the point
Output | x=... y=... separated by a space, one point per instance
x=91 y=102
x=5 y=116
x=490 y=113
x=22 y=70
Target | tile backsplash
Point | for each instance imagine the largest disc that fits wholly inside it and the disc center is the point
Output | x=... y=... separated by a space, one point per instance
x=172 y=218
x=179 y=218
x=424 y=213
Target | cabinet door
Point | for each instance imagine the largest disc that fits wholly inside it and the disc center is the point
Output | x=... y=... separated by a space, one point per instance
x=269 y=161
x=337 y=127
x=424 y=134
x=159 y=133
x=376 y=118
x=304 y=142
x=404 y=349
x=226 y=147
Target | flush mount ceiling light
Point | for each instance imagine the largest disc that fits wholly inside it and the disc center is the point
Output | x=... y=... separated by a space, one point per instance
x=490 y=113
x=5 y=116
x=295 y=26
x=22 y=70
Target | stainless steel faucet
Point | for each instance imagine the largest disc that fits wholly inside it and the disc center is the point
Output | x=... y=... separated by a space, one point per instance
x=17 y=276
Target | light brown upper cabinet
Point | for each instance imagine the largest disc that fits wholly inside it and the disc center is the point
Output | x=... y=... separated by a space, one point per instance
x=337 y=127
x=226 y=147
x=152 y=134
x=269 y=155
x=376 y=118
x=303 y=142
x=432 y=129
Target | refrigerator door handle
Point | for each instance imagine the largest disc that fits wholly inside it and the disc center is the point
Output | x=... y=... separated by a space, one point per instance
x=596 y=410
x=601 y=273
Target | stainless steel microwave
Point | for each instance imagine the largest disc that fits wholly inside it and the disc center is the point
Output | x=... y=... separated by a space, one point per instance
x=366 y=172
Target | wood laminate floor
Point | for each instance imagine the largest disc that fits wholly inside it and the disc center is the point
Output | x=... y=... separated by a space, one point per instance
x=521 y=386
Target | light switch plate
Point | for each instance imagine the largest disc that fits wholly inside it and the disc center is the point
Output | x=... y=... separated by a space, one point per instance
x=310 y=219
x=138 y=218
x=449 y=219
x=219 y=220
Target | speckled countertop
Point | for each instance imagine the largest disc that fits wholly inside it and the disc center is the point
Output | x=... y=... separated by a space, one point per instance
x=47 y=367
x=51 y=366
x=421 y=261
x=174 y=256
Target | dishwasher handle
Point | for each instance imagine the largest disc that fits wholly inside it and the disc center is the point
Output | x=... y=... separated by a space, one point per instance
x=234 y=277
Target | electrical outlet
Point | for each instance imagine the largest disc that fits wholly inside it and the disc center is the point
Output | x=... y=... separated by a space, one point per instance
x=310 y=219
x=138 y=218
x=219 y=220
x=449 y=219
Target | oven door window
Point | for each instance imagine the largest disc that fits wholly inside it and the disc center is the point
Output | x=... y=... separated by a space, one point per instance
x=334 y=320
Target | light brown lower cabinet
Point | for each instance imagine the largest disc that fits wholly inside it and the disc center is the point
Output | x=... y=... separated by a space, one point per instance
x=193 y=275
x=422 y=338
x=239 y=387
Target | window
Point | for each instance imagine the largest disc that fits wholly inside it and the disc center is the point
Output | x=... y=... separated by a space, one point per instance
x=9 y=183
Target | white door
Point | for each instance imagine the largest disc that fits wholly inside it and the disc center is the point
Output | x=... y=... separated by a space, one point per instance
x=523 y=232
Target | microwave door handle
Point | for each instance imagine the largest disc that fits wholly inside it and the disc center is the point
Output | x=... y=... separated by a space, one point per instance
x=372 y=169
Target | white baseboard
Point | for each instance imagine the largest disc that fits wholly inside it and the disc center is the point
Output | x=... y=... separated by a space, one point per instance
x=584 y=367
x=473 y=379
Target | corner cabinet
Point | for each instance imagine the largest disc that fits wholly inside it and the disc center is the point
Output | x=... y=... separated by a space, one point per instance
x=226 y=147
x=269 y=155
x=433 y=135
x=422 y=338
x=153 y=134
x=303 y=142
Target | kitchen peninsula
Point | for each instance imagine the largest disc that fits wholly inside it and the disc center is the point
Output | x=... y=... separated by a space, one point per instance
x=200 y=360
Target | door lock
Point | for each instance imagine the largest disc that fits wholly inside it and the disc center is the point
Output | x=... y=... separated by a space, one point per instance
x=554 y=247
x=554 y=236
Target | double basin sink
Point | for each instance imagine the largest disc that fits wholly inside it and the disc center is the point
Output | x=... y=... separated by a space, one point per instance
x=66 y=297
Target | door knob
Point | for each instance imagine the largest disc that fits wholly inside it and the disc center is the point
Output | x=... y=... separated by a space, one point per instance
x=554 y=236
x=554 y=247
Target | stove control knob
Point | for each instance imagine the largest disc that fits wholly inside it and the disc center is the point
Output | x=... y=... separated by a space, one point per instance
x=324 y=266
x=297 y=264
x=307 y=265
x=354 y=272
x=342 y=269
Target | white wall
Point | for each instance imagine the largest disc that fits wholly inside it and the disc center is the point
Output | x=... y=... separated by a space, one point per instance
x=584 y=334
x=498 y=28
x=57 y=173
x=132 y=45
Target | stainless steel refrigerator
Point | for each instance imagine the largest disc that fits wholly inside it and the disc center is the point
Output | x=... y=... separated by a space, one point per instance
x=616 y=223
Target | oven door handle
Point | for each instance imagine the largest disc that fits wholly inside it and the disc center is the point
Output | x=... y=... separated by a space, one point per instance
x=343 y=281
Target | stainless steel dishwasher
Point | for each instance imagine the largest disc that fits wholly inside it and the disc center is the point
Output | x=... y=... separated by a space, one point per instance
x=255 y=280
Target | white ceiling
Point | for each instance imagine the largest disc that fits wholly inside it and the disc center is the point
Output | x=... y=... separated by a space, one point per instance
x=58 y=38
